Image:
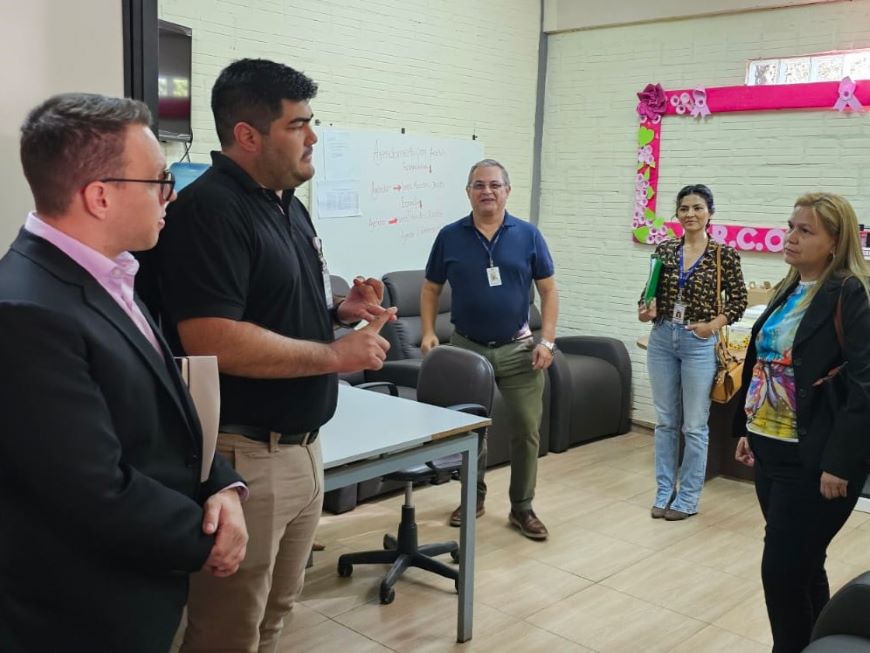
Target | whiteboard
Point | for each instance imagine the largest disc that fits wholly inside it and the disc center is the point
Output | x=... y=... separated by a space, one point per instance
x=379 y=198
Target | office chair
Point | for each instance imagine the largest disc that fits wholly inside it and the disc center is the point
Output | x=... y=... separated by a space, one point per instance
x=453 y=378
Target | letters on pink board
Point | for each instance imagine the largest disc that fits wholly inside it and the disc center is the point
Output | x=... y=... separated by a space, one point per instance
x=753 y=239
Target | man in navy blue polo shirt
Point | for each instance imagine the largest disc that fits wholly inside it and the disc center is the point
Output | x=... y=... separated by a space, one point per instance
x=490 y=259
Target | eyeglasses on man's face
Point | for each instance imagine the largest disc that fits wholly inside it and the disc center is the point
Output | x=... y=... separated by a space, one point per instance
x=166 y=181
x=494 y=186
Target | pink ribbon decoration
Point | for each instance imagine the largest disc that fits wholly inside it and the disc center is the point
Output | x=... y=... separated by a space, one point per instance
x=847 y=99
x=700 y=108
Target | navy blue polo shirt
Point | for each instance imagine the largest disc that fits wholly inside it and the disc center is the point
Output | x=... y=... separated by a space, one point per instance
x=461 y=255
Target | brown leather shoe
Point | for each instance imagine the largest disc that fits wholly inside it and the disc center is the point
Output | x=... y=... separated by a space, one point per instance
x=456 y=515
x=657 y=513
x=529 y=524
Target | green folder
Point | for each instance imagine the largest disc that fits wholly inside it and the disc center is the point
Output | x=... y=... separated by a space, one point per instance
x=652 y=281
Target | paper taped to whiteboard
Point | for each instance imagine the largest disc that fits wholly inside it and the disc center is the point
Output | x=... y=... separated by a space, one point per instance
x=337 y=200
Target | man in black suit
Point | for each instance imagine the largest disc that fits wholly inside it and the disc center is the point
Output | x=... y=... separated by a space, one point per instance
x=102 y=512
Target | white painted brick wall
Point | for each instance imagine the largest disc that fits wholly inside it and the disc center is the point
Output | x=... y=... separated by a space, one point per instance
x=756 y=164
x=441 y=67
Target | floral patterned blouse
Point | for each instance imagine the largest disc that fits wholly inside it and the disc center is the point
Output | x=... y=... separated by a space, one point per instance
x=699 y=293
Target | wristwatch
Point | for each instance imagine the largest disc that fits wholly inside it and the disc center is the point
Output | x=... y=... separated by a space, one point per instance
x=549 y=344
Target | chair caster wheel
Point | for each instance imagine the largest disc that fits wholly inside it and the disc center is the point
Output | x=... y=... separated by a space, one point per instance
x=345 y=570
x=454 y=555
x=390 y=542
x=388 y=595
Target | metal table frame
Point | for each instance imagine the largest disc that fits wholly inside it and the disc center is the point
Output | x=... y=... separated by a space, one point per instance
x=347 y=473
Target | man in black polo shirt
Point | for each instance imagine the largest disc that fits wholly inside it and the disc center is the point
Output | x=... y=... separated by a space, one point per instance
x=242 y=275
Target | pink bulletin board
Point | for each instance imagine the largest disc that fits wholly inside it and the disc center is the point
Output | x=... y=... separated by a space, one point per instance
x=656 y=103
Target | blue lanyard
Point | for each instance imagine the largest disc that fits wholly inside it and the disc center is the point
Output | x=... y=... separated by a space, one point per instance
x=684 y=275
x=490 y=248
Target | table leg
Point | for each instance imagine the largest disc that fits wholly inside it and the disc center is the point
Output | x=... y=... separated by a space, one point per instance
x=468 y=476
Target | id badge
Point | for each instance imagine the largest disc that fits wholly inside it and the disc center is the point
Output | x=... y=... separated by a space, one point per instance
x=493 y=276
x=679 y=313
x=324 y=270
x=327 y=286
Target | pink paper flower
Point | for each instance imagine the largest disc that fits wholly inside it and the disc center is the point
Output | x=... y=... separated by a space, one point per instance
x=659 y=235
x=682 y=103
x=653 y=102
x=645 y=155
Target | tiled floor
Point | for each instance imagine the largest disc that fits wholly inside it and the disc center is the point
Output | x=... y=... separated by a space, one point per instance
x=608 y=579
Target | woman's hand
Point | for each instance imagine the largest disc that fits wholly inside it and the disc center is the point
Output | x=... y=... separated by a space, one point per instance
x=744 y=454
x=707 y=329
x=833 y=487
x=702 y=329
x=646 y=313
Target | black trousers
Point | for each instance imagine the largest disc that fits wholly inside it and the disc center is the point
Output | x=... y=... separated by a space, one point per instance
x=800 y=523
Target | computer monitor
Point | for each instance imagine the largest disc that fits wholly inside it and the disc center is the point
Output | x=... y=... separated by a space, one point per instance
x=173 y=82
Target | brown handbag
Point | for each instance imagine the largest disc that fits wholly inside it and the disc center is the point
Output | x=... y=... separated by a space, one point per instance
x=729 y=368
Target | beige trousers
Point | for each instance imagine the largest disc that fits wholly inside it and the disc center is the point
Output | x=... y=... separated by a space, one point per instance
x=245 y=612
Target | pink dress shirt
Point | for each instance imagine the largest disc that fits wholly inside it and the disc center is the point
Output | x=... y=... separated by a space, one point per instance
x=116 y=275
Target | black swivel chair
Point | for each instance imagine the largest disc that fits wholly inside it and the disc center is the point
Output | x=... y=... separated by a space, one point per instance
x=453 y=378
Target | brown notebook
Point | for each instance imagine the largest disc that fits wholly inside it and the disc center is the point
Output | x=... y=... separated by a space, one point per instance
x=200 y=373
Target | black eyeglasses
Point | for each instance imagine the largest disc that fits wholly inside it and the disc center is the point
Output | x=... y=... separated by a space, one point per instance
x=167 y=183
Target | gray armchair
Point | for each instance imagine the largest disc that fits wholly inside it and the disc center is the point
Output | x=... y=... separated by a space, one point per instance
x=844 y=626
x=591 y=395
x=402 y=290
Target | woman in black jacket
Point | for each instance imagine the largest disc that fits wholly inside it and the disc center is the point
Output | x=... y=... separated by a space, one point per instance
x=806 y=426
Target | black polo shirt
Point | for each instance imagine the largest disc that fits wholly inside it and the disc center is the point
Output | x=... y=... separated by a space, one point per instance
x=233 y=249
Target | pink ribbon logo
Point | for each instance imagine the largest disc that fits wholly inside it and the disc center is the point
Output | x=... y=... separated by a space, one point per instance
x=700 y=108
x=847 y=99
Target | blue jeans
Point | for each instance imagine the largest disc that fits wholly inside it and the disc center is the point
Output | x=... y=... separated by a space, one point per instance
x=681 y=371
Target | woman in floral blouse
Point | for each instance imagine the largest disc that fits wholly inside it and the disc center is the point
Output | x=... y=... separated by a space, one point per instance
x=681 y=356
x=806 y=425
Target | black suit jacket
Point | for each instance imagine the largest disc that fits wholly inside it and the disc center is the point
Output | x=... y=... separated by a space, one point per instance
x=833 y=422
x=100 y=498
